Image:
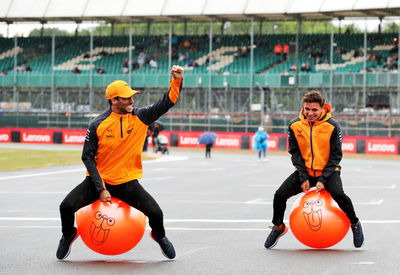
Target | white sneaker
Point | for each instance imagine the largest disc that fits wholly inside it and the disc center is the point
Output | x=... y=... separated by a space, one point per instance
x=266 y=160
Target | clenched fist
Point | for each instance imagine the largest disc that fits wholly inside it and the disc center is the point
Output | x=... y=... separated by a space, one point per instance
x=177 y=71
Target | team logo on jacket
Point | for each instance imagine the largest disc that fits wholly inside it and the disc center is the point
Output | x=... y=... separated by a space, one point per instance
x=130 y=128
x=109 y=133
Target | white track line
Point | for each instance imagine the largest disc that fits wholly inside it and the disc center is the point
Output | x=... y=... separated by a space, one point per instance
x=393 y=186
x=261 y=202
x=164 y=159
x=194 y=221
x=191 y=252
x=42 y=174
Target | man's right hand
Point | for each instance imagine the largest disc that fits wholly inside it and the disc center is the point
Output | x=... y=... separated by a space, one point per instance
x=177 y=71
x=305 y=186
x=105 y=196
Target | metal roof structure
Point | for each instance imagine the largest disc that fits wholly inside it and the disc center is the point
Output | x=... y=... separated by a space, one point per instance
x=192 y=10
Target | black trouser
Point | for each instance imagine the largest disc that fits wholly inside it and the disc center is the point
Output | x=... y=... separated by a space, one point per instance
x=292 y=186
x=208 y=150
x=131 y=192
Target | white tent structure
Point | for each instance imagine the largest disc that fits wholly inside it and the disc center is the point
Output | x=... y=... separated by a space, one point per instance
x=194 y=10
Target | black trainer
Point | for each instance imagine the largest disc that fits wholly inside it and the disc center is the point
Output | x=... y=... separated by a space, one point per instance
x=64 y=247
x=358 y=236
x=166 y=246
x=274 y=236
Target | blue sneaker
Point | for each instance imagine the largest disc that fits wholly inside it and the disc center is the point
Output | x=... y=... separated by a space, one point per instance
x=358 y=236
x=274 y=236
x=166 y=246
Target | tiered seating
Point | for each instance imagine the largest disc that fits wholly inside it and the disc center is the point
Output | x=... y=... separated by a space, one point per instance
x=110 y=52
x=7 y=52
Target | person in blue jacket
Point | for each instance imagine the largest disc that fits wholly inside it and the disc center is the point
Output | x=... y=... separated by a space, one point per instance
x=260 y=144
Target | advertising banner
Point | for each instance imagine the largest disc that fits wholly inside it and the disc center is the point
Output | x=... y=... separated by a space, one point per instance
x=231 y=141
x=36 y=136
x=381 y=146
x=349 y=145
x=76 y=137
x=5 y=135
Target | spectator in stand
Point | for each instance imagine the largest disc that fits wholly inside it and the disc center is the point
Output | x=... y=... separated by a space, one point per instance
x=174 y=54
x=153 y=64
x=125 y=66
x=186 y=44
x=100 y=70
x=305 y=67
x=76 y=70
x=285 y=51
x=278 y=49
x=142 y=58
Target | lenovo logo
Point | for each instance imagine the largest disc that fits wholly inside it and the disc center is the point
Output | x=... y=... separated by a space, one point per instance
x=74 y=138
x=384 y=148
x=36 y=138
x=4 y=137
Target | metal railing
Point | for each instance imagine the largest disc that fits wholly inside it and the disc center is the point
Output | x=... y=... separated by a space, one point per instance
x=203 y=80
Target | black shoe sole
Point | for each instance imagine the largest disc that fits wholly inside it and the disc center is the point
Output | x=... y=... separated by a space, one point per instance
x=69 y=248
x=277 y=239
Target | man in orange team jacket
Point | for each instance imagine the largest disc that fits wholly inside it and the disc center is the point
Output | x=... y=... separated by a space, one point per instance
x=315 y=143
x=112 y=154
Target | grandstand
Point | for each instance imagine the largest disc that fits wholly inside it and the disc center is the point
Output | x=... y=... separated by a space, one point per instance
x=59 y=81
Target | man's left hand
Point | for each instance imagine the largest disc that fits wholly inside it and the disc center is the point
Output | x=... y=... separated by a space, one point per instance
x=177 y=71
x=320 y=186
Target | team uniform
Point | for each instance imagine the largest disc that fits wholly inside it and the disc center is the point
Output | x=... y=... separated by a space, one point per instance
x=112 y=155
x=316 y=150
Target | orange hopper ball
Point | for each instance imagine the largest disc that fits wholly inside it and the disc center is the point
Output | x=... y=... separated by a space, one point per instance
x=110 y=228
x=317 y=221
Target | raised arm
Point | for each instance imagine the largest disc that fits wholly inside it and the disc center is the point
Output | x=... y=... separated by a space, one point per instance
x=152 y=112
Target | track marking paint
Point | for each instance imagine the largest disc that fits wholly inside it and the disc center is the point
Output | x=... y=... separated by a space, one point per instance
x=164 y=159
x=191 y=252
x=393 y=186
x=221 y=221
x=260 y=201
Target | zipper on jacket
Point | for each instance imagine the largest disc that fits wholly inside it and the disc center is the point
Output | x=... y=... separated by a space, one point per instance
x=120 y=126
x=312 y=151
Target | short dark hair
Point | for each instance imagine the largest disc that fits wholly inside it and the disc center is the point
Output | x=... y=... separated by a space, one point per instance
x=314 y=96
x=109 y=101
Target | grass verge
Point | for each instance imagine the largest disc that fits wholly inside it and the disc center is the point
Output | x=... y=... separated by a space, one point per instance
x=17 y=159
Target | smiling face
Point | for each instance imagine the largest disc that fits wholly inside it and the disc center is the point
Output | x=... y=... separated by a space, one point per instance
x=122 y=105
x=312 y=111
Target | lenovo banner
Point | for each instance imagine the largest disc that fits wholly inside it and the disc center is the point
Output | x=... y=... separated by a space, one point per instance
x=36 y=136
x=5 y=135
x=381 y=146
x=349 y=145
x=73 y=137
x=188 y=139
x=224 y=140
x=231 y=141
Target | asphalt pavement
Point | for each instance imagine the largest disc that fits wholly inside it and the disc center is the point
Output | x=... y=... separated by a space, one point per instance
x=217 y=212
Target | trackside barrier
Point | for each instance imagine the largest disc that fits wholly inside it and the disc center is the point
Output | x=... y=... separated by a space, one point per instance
x=226 y=140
